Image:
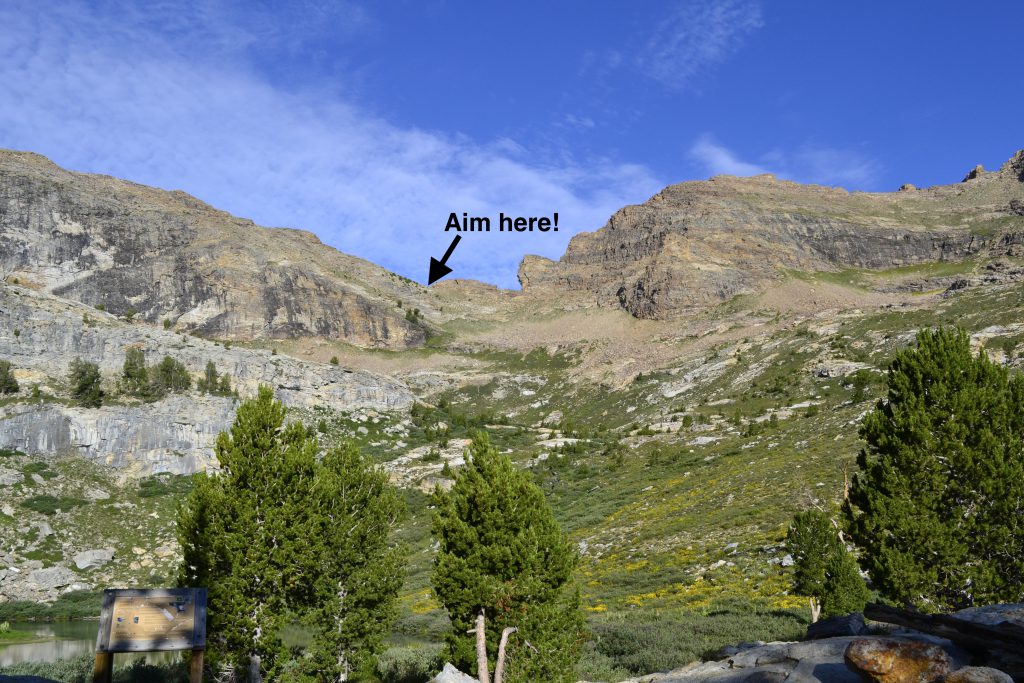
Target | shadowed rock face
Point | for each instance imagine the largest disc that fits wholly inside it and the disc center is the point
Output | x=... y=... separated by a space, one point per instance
x=701 y=243
x=169 y=256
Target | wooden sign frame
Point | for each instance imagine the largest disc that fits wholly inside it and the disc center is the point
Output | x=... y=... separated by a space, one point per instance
x=168 y=602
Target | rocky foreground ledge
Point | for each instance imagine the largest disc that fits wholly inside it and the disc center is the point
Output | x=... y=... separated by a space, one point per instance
x=899 y=656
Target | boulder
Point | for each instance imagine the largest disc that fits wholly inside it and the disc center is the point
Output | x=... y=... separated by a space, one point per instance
x=52 y=577
x=94 y=559
x=449 y=674
x=553 y=419
x=888 y=660
x=95 y=494
x=977 y=674
x=994 y=615
x=833 y=627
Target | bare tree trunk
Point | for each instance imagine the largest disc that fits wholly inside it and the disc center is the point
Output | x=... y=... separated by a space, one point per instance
x=482 y=673
x=815 y=610
x=499 y=667
x=254 y=669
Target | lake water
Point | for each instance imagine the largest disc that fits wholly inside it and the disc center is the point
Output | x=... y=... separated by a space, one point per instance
x=64 y=640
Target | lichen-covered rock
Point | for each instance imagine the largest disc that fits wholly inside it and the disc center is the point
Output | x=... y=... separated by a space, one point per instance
x=889 y=660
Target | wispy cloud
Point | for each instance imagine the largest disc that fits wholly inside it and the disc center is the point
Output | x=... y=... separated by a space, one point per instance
x=808 y=163
x=695 y=37
x=103 y=87
x=717 y=159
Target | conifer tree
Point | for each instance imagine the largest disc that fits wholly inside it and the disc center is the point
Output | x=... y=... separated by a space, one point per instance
x=823 y=569
x=501 y=551
x=8 y=385
x=215 y=383
x=85 y=383
x=134 y=376
x=208 y=382
x=808 y=541
x=277 y=533
x=353 y=572
x=234 y=535
x=844 y=587
x=170 y=375
x=936 y=504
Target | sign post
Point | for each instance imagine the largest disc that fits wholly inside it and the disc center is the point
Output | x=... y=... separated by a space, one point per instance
x=151 y=620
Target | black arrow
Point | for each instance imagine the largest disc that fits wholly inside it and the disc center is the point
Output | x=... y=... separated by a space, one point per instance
x=438 y=269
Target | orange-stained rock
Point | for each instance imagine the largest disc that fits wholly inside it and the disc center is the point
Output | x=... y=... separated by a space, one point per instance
x=888 y=660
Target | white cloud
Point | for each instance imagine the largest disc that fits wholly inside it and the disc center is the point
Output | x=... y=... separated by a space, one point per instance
x=695 y=37
x=830 y=166
x=717 y=159
x=105 y=91
x=808 y=163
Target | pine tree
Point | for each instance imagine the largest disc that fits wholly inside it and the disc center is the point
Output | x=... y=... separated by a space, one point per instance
x=215 y=383
x=224 y=385
x=353 y=572
x=8 y=385
x=844 y=587
x=170 y=375
x=85 y=383
x=134 y=376
x=936 y=505
x=234 y=535
x=208 y=382
x=823 y=569
x=277 y=533
x=501 y=551
x=809 y=541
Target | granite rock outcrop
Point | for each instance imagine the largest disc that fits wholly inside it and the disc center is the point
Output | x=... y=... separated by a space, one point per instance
x=40 y=334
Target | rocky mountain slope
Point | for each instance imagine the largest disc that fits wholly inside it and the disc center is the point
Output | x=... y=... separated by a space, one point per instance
x=679 y=384
x=697 y=244
x=40 y=334
x=168 y=256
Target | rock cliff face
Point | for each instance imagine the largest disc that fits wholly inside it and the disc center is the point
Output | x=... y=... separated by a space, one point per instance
x=176 y=435
x=701 y=243
x=108 y=242
x=40 y=334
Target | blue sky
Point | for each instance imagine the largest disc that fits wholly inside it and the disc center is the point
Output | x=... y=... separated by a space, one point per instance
x=367 y=123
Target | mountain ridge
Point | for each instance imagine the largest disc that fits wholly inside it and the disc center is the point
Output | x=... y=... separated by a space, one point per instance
x=698 y=243
x=167 y=255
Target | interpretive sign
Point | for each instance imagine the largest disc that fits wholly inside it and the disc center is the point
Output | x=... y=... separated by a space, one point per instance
x=150 y=620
